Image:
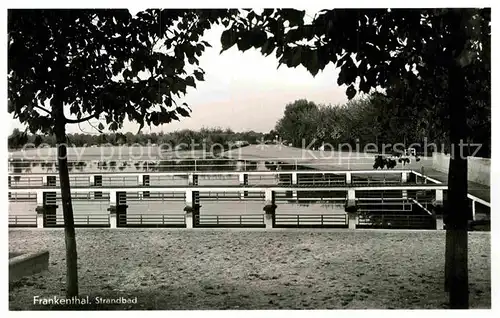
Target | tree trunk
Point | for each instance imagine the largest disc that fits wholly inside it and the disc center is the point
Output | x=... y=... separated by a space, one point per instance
x=458 y=214
x=69 y=224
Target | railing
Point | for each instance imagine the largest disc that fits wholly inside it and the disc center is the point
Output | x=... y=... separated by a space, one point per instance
x=151 y=220
x=321 y=179
x=88 y=220
x=22 y=197
x=190 y=164
x=310 y=220
x=120 y=180
x=379 y=194
x=397 y=221
x=155 y=196
x=370 y=180
x=231 y=196
x=24 y=220
x=76 y=181
x=24 y=181
x=243 y=220
x=304 y=179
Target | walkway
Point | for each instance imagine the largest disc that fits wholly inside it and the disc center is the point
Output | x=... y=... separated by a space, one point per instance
x=478 y=190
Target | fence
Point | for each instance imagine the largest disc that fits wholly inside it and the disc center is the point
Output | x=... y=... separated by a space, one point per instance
x=88 y=220
x=25 y=220
x=151 y=220
x=247 y=220
x=311 y=220
x=397 y=221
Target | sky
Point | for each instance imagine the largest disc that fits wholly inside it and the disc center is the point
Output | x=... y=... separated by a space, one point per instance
x=242 y=91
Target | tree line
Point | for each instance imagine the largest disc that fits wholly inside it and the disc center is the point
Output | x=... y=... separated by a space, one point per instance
x=205 y=137
x=371 y=120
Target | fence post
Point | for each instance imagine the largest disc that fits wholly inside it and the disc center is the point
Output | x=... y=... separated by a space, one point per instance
x=404 y=177
x=189 y=214
x=270 y=209
x=351 y=209
x=243 y=179
x=295 y=178
x=163 y=219
x=298 y=220
x=321 y=219
x=348 y=178
x=473 y=210
x=217 y=218
x=88 y=219
x=113 y=222
x=39 y=209
x=241 y=223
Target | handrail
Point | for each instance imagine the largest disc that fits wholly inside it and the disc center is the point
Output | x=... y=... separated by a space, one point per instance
x=80 y=219
x=207 y=173
x=252 y=188
x=483 y=202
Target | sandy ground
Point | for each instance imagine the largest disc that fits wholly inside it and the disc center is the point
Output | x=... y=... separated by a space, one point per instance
x=252 y=269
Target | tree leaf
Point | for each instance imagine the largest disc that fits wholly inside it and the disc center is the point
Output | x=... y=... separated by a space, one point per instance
x=296 y=57
x=228 y=39
x=113 y=126
x=190 y=81
x=183 y=112
x=246 y=41
x=351 y=92
x=268 y=47
x=198 y=75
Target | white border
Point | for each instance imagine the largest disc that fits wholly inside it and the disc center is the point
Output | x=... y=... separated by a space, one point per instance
x=258 y=4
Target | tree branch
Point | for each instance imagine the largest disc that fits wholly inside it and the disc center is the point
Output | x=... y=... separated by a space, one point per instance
x=81 y=120
x=100 y=131
x=44 y=109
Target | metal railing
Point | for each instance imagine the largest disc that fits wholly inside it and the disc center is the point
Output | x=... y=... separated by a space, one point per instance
x=321 y=179
x=85 y=220
x=22 y=197
x=155 y=196
x=397 y=221
x=240 y=220
x=151 y=220
x=23 y=220
x=308 y=220
x=304 y=179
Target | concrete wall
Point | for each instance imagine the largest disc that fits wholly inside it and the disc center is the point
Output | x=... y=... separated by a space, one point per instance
x=27 y=264
x=478 y=169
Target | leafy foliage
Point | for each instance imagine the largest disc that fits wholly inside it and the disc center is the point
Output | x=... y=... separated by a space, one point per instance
x=298 y=122
x=371 y=47
x=104 y=64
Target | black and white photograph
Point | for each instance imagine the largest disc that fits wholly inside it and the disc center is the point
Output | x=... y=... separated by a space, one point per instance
x=277 y=158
